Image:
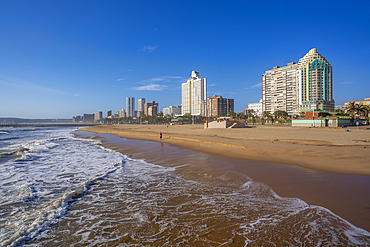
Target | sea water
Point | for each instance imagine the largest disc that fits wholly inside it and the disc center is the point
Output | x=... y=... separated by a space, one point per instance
x=60 y=190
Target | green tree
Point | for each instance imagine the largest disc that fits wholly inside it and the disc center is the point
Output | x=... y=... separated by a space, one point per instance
x=279 y=114
x=253 y=119
x=354 y=109
x=231 y=114
x=265 y=115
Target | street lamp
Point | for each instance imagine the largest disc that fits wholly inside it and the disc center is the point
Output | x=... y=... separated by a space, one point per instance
x=314 y=106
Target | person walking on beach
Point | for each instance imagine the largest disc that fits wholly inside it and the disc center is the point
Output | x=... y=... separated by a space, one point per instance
x=160 y=135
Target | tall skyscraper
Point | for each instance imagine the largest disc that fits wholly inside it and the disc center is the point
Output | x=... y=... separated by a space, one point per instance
x=194 y=95
x=130 y=106
x=294 y=88
x=140 y=104
x=314 y=83
x=279 y=89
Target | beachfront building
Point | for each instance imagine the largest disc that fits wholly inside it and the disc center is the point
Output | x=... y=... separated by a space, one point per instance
x=339 y=107
x=172 y=111
x=130 y=106
x=98 y=116
x=140 y=107
x=301 y=87
x=77 y=119
x=347 y=104
x=279 y=89
x=314 y=83
x=151 y=109
x=218 y=106
x=88 y=118
x=256 y=107
x=194 y=95
x=121 y=113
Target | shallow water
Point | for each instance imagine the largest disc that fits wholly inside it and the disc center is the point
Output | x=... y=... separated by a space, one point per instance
x=61 y=190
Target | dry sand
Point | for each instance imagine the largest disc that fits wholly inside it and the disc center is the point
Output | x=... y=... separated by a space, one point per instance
x=325 y=149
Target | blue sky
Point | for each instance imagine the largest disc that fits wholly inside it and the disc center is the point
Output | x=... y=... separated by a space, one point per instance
x=60 y=59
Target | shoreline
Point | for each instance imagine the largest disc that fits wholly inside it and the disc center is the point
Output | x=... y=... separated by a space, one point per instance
x=331 y=150
x=344 y=195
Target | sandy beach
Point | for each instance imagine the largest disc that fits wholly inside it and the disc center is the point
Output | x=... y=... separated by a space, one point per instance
x=324 y=149
x=279 y=157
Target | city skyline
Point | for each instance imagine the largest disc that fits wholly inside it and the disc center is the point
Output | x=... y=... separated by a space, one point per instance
x=65 y=59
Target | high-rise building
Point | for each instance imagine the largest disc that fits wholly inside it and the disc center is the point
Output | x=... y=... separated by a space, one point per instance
x=98 y=116
x=294 y=88
x=140 y=105
x=218 y=106
x=122 y=113
x=314 y=83
x=109 y=113
x=87 y=118
x=194 y=95
x=279 y=89
x=151 y=109
x=130 y=106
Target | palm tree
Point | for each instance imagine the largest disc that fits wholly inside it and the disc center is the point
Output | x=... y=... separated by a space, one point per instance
x=250 y=113
x=366 y=111
x=253 y=119
x=354 y=109
x=265 y=114
x=272 y=119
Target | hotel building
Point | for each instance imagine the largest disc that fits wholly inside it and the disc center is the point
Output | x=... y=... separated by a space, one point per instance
x=130 y=106
x=314 y=83
x=301 y=87
x=194 y=95
x=218 y=106
x=256 y=107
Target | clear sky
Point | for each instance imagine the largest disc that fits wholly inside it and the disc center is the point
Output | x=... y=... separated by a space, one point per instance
x=60 y=59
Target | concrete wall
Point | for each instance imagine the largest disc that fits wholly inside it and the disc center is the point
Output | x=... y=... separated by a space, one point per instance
x=224 y=124
x=216 y=125
x=330 y=122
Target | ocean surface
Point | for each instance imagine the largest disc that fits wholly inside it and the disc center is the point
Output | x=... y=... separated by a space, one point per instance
x=58 y=189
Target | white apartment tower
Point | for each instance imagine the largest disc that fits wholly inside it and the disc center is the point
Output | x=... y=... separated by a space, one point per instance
x=279 y=89
x=130 y=106
x=314 y=83
x=194 y=95
x=140 y=104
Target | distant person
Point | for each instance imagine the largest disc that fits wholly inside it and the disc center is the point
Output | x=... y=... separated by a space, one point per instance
x=160 y=135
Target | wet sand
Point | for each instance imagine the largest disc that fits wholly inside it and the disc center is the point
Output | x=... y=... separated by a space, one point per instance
x=324 y=149
x=345 y=195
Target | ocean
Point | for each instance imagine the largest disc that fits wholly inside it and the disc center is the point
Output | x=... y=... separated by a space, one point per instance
x=62 y=189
